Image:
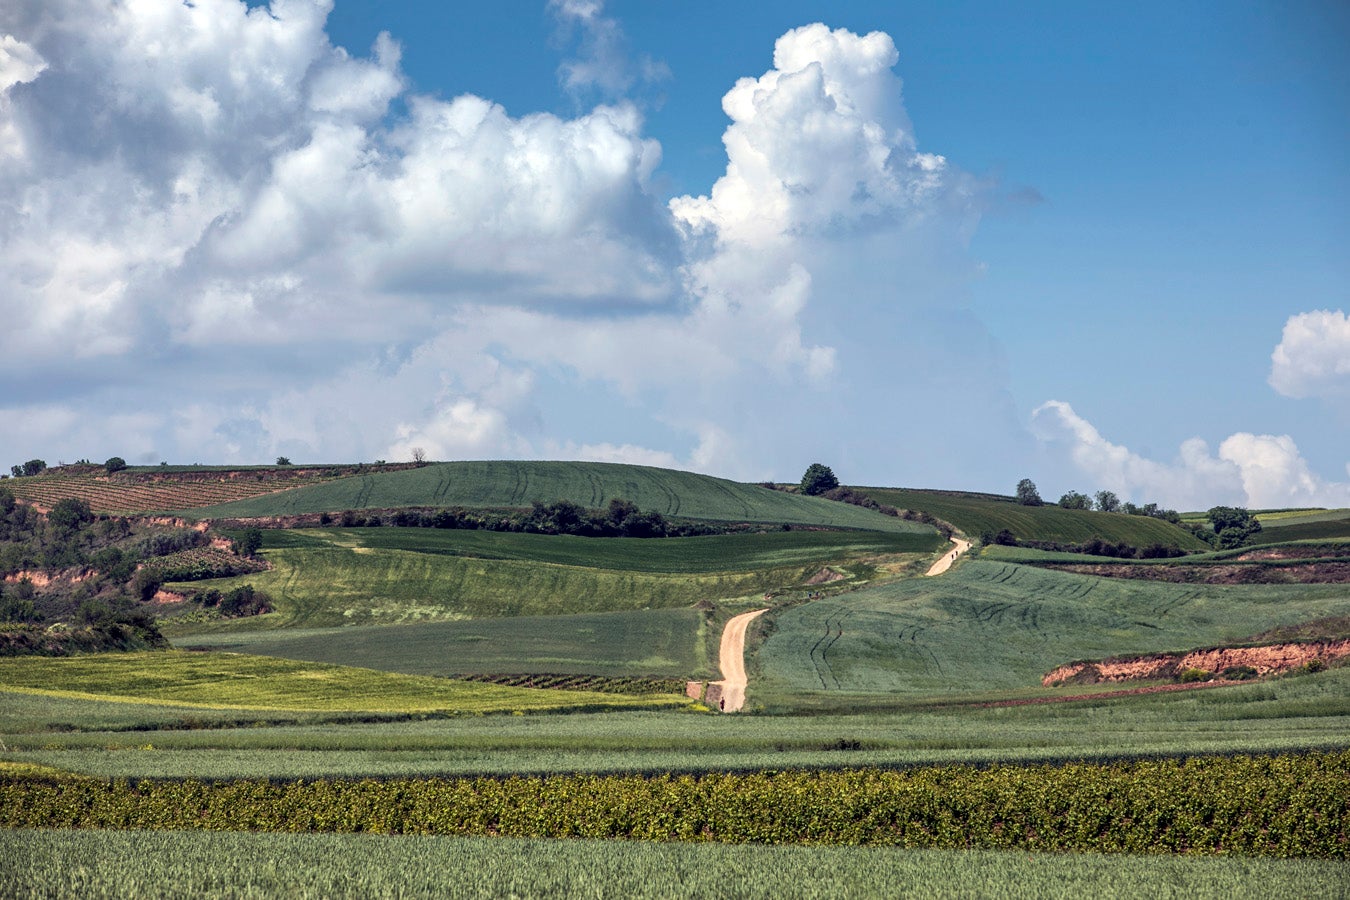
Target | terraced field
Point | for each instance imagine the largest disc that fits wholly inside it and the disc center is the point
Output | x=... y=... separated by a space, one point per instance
x=592 y=485
x=137 y=493
x=996 y=626
x=977 y=513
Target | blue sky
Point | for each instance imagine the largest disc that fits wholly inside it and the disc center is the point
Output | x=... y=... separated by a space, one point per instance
x=1100 y=235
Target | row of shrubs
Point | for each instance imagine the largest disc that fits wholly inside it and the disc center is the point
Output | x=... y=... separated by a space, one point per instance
x=1094 y=547
x=132 y=633
x=1283 y=806
x=621 y=518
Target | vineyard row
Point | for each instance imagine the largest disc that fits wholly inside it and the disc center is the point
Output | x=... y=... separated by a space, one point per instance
x=1280 y=806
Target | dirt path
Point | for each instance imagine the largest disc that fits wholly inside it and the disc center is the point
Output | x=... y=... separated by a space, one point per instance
x=732 y=661
x=945 y=563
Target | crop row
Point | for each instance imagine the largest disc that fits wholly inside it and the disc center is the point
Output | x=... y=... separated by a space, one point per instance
x=604 y=684
x=1283 y=806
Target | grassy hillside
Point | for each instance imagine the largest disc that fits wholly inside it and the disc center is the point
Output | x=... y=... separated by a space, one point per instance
x=324 y=577
x=990 y=625
x=663 y=642
x=978 y=513
x=216 y=680
x=1306 y=525
x=690 y=556
x=592 y=485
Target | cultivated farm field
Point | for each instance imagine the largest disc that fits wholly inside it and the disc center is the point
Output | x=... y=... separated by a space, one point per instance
x=884 y=708
x=137 y=492
x=506 y=485
x=978 y=513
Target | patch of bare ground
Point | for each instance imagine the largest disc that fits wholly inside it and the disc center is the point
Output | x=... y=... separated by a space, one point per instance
x=1240 y=662
x=1327 y=572
x=825 y=576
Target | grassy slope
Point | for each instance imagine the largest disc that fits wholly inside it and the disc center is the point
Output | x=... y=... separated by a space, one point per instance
x=592 y=485
x=665 y=642
x=678 y=556
x=991 y=625
x=977 y=513
x=108 y=739
x=215 y=680
x=1333 y=524
x=386 y=575
x=144 y=863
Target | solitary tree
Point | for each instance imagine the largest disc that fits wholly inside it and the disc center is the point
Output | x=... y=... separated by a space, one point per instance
x=419 y=456
x=115 y=464
x=1234 y=525
x=1027 y=495
x=249 y=543
x=283 y=460
x=818 y=479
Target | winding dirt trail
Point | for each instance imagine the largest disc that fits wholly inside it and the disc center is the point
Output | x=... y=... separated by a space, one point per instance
x=945 y=563
x=731 y=659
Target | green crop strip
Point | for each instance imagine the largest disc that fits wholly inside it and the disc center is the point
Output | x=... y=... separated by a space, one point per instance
x=1282 y=806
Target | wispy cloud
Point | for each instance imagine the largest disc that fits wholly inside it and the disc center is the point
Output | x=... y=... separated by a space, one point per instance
x=601 y=63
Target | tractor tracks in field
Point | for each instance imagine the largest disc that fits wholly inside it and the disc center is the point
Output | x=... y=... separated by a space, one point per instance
x=820 y=651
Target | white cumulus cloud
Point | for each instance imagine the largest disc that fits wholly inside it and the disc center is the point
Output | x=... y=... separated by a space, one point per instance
x=1257 y=471
x=1313 y=356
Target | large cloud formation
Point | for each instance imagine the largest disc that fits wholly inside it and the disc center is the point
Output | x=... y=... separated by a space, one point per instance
x=224 y=238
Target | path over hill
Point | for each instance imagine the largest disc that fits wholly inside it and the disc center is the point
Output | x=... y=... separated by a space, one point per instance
x=732 y=661
x=945 y=563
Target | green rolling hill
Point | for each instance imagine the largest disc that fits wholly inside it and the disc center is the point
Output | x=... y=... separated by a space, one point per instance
x=1000 y=626
x=977 y=513
x=326 y=577
x=514 y=484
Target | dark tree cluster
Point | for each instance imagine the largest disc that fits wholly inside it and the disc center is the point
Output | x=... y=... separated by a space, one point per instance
x=1094 y=547
x=30 y=468
x=244 y=600
x=1233 y=526
x=96 y=573
x=622 y=518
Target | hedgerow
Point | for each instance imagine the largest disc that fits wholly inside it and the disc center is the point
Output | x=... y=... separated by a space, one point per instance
x=1280 y=806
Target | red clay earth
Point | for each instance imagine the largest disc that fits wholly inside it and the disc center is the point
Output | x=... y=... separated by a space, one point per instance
x=1265 y=660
